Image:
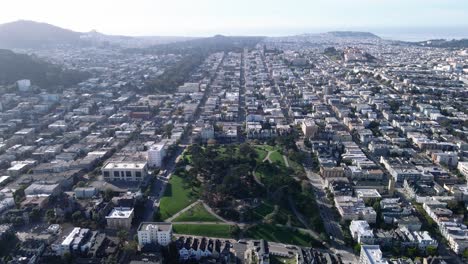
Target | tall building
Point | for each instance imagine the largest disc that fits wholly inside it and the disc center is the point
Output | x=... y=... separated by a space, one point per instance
x=156 y=154
x=309 y=128
x=371 y=254
x=125 y=171
x=154 y=233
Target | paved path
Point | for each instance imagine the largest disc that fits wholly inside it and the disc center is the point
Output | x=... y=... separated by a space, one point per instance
x=286 y=161
x=210 y=210
x=267 y=158
x=170 y=219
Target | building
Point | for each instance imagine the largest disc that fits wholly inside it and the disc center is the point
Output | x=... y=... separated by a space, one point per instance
x=257 y=252
x=463 y=168
x=85 y=192
x=353 y=208
x=449 y=159
x=120 y=217
x=156 y=154
x=309 y=128
x=333 y=172
x=23 y=85
x=125 y=171
x=371 y=254
x=42 y=189
x=75 y=241
x=154 y=233
x=361 y=232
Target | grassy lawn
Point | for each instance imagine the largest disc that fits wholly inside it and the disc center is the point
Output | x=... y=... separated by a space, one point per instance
x=261 y=153
x=277 y=157
x=176 y=197
x=198 y=213
x=296 y=166
x=283 y=216
x=279 y=234
x=209 y=230
x=281 y=260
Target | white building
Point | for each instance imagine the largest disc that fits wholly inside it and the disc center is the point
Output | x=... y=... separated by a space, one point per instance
x=120 y=217
x=156 y=154
x=154 y=233
x=361 y=232
x=371 y=254
x=463 y=168
x=23 y=85
x=75 y=241
x=353 y=208
x=125 y=171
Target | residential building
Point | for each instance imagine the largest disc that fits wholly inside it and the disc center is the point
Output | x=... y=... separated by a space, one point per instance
x=154 y=233
x=120 y=217
x=371 y=254
x=156 y=154
x=125 y=171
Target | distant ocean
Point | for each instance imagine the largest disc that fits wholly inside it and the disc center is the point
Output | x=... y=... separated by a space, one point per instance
x=391 y=33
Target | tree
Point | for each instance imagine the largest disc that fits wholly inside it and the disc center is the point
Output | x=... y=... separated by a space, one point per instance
x=413 y=251
x=156 y=216
x=67 y=257
x=108 y=194
x=35 y=214
x=357 y=248
x=76 y=216
x=465 y=253
x=122 y=235
x=131 y=247
x=431 y=250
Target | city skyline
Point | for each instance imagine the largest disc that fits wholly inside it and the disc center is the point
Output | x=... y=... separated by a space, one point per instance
x=269 y=18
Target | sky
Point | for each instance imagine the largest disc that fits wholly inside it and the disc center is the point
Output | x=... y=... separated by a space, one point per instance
x=237 y=17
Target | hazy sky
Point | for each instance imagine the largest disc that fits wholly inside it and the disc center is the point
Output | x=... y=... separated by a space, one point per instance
x=250 y=17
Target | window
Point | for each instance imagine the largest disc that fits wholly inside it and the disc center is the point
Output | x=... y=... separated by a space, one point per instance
x=128 y=173
x=106 y=174
x=138 y=174
x=116 y=174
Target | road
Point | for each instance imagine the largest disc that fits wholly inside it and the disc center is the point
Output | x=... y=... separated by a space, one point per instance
x=329 y=216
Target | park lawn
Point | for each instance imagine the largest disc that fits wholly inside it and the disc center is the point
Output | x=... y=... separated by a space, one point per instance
x=283 y=216
x=295 y=165
x=176 y=197
x=209 y=230
x=198 y=213
x=276 y=156
x=279 y=234
x=281 y=260
x=261 y=154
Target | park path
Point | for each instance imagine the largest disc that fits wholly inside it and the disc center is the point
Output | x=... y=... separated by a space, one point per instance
x=170 y=219
x=267 y=158
x=286 y=161
x=211 y=211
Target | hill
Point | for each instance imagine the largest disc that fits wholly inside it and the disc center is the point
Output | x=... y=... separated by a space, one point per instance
x=14 y=66
x=442 y=43
x=352 y=34
x=30 y=34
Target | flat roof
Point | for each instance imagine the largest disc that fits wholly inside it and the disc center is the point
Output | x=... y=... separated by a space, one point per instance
x=120 y=212
x=125 y=165
x=160 y=226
